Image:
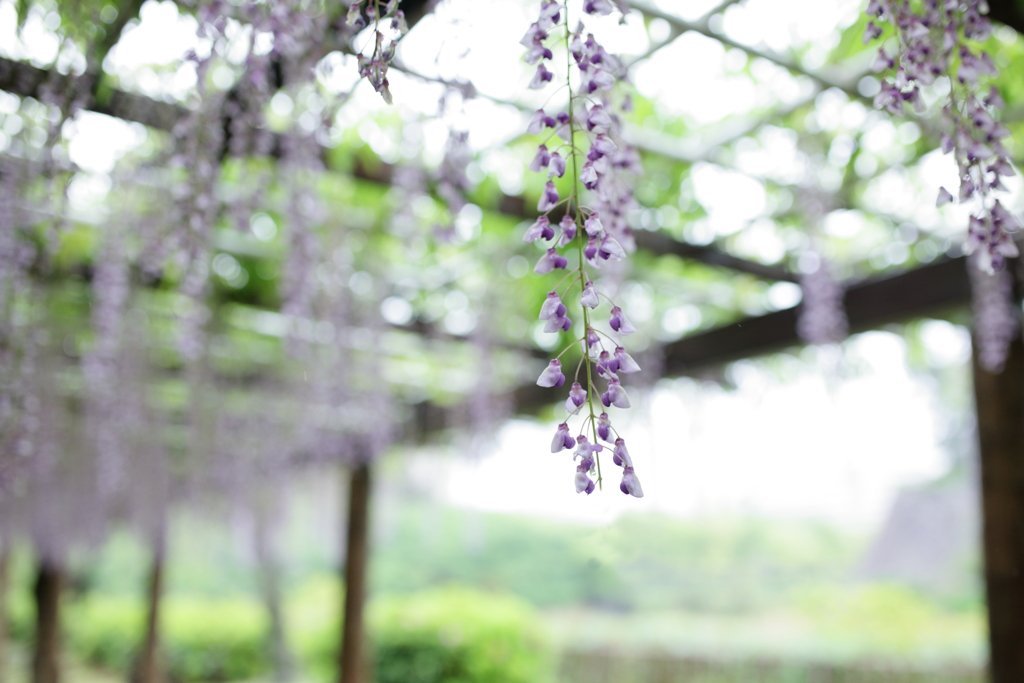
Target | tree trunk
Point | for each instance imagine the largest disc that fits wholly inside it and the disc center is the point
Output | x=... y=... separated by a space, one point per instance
x=150 y=662
x=48 y=588
x=270 y=587
x=351 y=660
x=1000 y=405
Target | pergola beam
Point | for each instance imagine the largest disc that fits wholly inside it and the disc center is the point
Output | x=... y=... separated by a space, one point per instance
x=29 y=81
x=930 y=289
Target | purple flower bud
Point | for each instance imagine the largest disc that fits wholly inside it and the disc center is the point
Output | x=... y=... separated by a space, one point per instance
x=603 y=427
x=560 y=323
x=588 y=176
x=568 y=226
x=598 y=119
x=606 y=365
x=593 y=225
x=535 y=34
x=550 y=261
x=871 y=32
x=541 y=229
x=590 y=298
x=399 y=24
x=590 y=251
x=603 y=145
x=541 y=78
x=620 y=456
x=541 y=160
x=597 y=79
x=592 y=338
x=549 y=199
x=577 y=396
x=630 y=485
x=615 y=396
x=562 y=439
x=611 y=249
x=626 y=363
x=947 y=143
x=354 y=18
x=557 y=165
x=944 y=197
x=602 y=7
x=550 y=11
x=993 y=99
x=583 y=448
x=552 y=375
x=619 y=323
x=583 y=482
x=552 y=307
x=539 y=122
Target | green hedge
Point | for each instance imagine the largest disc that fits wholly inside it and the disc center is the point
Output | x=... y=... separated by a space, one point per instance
x=451 y=635
x=456 y=635
x=203 y=640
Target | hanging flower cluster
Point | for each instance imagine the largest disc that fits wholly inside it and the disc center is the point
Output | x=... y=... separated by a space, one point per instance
x=931 y=43
x=375 y=68
x=596 y=234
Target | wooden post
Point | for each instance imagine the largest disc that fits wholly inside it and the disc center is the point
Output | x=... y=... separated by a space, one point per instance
x=351 y=668
x=150 y=663
x=48 y=588
x=1000 y=405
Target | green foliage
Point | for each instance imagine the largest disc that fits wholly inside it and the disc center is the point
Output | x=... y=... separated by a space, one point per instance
x=456 y=635
x=638 y=562
x=204 y=639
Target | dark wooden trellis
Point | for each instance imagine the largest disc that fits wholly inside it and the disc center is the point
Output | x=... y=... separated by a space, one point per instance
x=933 y=289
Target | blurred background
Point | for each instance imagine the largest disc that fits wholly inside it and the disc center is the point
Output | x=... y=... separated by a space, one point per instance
x=261 y=329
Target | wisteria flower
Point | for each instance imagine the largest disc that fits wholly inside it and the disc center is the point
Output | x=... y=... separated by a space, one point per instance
x=588 y=176
x=549 y=198
x=568 y=226
x=604 y=427
x=577 y=397
x=619 y=322
x=606 y=365
x=620 y=456
x=550 y=11
x=562 y=439
x=602 y=7
x=551 y=260
x=590 y=297
x=584 y=484
x=615 y=395
x=598 y=119
x=626 y=363
x=552 y=307
x=541 y=229
x=552 y=375
x=541 y=78
x=630 y=485
x=556 y=167
x=541 y=159
x=539 y=122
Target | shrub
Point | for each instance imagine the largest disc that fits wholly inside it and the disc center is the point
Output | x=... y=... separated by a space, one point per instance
x=203 y=640
x=457 y=635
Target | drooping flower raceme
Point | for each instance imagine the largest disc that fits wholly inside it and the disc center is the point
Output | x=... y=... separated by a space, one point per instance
x=581 y=143
x=932 y=40
x=375 y=67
